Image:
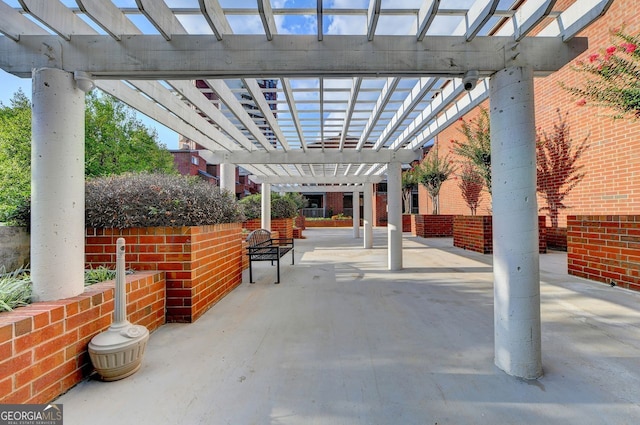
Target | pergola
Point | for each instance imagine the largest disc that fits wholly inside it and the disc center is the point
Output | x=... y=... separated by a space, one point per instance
x=308 y=111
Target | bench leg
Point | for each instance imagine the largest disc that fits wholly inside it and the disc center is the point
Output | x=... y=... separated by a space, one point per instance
x=250 y=271
x=293 y=256
x=278 y=261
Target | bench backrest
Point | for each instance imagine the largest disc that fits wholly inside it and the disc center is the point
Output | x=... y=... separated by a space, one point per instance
x=259 y=237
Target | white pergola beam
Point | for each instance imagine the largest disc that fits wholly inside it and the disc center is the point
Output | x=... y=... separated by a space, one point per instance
x=372 y=18
x=421 y=88
x=293 y=110
x=159 y=14
x=258 y=97
x=577 y=16
x=266 y=16
x=13 y=24
x=316 y=180
x=109 y=17
x=329 y=156
x=319 y=188
x=58 y=17
x=353 y=96
x=198 y=56
x=214 y=15
x=195 y=97
x=426 y=15
x=382 y=101
x=452 y=91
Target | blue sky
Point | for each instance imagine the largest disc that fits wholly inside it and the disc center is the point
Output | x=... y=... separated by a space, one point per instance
x=287 y=24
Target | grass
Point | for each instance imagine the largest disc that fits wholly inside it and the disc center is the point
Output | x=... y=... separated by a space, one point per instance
x=16 y=287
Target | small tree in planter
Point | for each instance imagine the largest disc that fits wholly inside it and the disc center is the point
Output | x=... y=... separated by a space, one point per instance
x=477 y=148
x=433 y=172
x=409 y=181
x=557 y=169
x=470 y=185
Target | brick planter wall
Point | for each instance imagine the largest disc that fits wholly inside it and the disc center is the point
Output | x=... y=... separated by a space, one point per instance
x=43 y=346
x=432 y=226
x=475 y=233
x=406 y=222
x=330 y=223
x=284 y=226
x=605 y=248
x=300 y=222
x=203 y=263
x=557 y=238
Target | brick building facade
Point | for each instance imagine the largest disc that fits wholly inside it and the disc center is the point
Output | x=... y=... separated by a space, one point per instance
x=611 y=162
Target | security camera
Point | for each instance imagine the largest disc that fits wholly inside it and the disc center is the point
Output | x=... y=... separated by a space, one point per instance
x=470 y=80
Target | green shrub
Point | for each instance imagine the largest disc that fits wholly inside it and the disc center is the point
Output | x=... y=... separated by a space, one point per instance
x=251 y=206
x=281 y=206
x=15 y=289
x=20 y=214
x=150 y=200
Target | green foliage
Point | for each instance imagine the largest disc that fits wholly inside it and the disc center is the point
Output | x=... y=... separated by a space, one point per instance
x=15 y=155
x=251 y=206
x=470 y=185
x=21 y=214
x=432 y=173
x=410 y=179
x=117 y=142
x=15 y=289
x=477 y=148
x=281 y=206
x=298 y=198
x=613 y=77
x=148 y=200
x=557 y=170
x=99 y=274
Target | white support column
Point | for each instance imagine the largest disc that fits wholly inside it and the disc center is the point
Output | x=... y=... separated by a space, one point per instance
x=356 y=214
x=515 y=224
x=367 y=213
x=266 y=206
x=57 y=186
x=394 y=215
x=228 y=177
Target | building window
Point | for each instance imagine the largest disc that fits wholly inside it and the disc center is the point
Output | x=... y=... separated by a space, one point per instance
x=195 y=160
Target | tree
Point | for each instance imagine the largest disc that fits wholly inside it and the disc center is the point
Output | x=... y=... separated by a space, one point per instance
x=117 y=142
x=470 y=185
x=477 y=148
x=409 y=181
x=613 y=77
x=15 y=154
x=433 y=172
x=557 y=169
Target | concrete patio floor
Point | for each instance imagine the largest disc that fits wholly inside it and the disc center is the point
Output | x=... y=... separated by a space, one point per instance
x=342 y=340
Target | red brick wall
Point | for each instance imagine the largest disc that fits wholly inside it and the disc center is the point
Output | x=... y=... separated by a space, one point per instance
x=475 y=233
x=611 y=186
x=203 y=263
x=605 y=248
x=335 y=203
x=406 y=222
x=380 y=217
x=284 y=226
x=432 y=226
x=43 y=346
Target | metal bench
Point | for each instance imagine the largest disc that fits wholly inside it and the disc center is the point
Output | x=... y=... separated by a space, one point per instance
x=262 y=247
